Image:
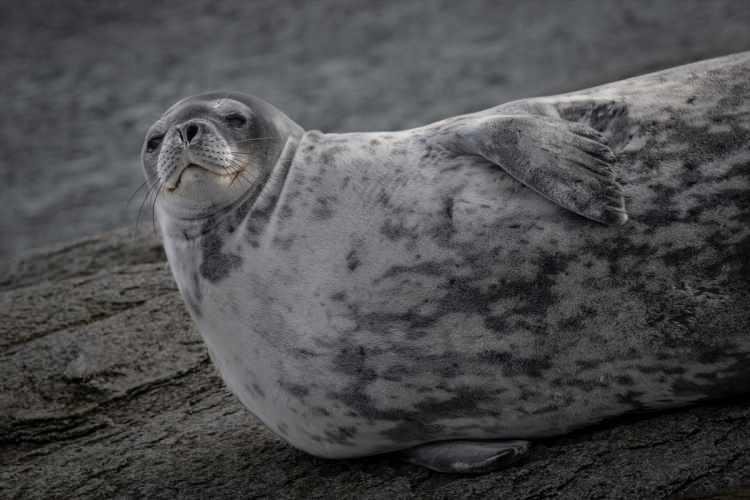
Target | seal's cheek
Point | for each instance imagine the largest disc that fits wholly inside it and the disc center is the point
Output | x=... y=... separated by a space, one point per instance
x=149 y=168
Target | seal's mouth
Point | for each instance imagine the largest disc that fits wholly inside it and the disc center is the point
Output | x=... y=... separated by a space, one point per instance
x=173 y=182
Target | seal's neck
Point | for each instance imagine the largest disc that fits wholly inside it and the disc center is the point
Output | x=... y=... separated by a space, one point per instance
x=253 y=209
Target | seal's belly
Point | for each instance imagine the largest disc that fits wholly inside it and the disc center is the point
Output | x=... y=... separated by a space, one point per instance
x=471 y=308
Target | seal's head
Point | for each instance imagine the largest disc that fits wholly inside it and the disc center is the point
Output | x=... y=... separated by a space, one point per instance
x=209 y=151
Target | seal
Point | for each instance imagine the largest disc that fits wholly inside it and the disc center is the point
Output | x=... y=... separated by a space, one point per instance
x=455 y=291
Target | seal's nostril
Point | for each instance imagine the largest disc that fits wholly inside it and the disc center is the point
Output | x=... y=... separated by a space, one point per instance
x=191 y=131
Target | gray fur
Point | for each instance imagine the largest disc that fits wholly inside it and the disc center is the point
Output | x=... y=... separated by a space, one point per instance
x=377 y=291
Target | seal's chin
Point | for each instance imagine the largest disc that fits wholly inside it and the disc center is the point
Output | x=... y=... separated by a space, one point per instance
x=197 y=173
x=196 y=191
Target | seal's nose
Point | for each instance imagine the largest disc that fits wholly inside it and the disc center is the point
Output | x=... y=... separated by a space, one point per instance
x=189 y=131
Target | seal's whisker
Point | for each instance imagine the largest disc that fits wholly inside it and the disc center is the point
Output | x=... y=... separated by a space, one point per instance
x=145 y=183
x=235 y=161
x=235 y=177
x=238 y=163
x=149 y=192
x=153 y=208
x=150 y=198
x=240 y=174
x=236 y=169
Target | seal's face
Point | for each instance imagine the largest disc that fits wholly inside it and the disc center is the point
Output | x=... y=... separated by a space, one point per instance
x=207 y=151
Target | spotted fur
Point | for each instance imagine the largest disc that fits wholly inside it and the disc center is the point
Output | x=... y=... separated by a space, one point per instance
x=383 y=290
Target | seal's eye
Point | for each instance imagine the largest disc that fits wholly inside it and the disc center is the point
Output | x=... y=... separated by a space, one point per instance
x=153 y=143
x=235 y=120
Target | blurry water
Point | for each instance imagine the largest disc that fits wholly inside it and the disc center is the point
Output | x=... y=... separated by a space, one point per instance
x=83 y=80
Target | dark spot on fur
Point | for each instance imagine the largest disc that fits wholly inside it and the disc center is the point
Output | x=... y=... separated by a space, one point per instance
x=342 y=435
x=576 y=322
x=258 y=219
x=663 y=211
x=420 y=422
x=496 y=324
x=537 y=292
x=301 y=353
x=586 y=385
x=394 y=231
x=383 y=198
x=680 y=255
x=416 y=334
x=216 y=265
x=323 y=208
x=430 y=268
x=283 y=243
x=296 y=390
x=328 y=155
x=512 y=366
x=616 y=249
x=319 y=411
x=396 y=372
x=286 y=212
x=669 y=370
x=352 y=260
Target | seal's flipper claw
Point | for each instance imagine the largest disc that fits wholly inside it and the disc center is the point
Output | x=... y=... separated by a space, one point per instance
x=466 y=457
x=586 y=131
x=566 y=162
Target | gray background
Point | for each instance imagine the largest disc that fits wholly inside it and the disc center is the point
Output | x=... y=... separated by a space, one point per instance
x=82 y=80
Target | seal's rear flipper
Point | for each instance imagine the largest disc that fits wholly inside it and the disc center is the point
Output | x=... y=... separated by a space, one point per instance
x=566 y=162
x=466 y=457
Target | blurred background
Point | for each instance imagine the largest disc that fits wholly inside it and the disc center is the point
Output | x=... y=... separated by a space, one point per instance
x=82 y=80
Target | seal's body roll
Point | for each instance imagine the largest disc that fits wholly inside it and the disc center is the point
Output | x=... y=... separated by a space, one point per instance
x=385 y=290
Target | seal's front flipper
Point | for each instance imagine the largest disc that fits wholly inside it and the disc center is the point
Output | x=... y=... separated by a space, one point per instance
x=466 y=457
x=566 y=162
